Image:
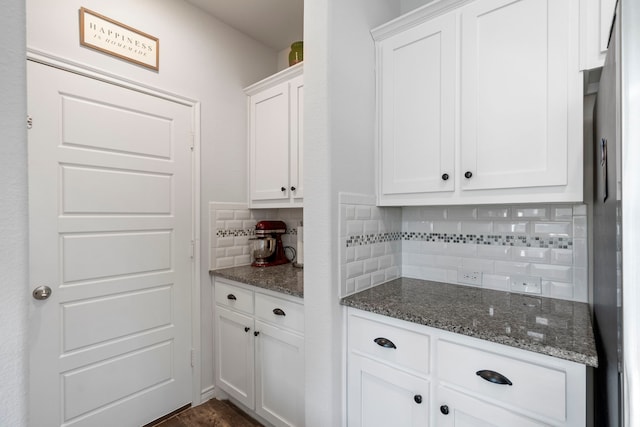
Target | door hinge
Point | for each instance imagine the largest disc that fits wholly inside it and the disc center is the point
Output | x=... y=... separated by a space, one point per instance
x=192 y=250
x=192 y=139
x=29 y=122
x=193 y=358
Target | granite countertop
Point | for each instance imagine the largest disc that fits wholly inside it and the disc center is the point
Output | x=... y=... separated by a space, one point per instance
x=285 y=278
x=549 y=326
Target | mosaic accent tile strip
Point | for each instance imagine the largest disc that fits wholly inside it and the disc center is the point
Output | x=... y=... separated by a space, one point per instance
x=475 y=239
x=247 y=232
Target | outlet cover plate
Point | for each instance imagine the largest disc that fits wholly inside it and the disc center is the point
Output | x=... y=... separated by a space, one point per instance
x=526 y=284
x=470 y=277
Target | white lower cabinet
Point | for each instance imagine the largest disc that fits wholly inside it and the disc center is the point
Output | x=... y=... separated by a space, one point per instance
x=401 y=373
x=259 y=345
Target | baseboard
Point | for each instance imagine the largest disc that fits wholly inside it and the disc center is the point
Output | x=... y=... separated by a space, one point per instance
x=207 y=394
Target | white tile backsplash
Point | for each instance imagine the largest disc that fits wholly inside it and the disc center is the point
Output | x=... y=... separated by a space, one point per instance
x=231 y=226
x=544 y=242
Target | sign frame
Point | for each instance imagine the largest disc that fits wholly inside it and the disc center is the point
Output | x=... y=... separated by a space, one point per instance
x=114 y=38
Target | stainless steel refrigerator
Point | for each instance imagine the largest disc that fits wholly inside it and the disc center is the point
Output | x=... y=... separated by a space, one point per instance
x=607 y=241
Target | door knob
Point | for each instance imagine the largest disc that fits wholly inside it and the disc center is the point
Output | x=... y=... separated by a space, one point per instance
x=42 y=292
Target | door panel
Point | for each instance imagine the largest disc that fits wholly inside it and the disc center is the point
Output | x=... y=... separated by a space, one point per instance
x=111 y=219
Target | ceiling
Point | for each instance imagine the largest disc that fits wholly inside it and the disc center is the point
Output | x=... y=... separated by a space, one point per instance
x=275 y=23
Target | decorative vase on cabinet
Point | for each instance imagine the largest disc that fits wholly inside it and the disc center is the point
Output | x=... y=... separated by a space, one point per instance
x=296 y=53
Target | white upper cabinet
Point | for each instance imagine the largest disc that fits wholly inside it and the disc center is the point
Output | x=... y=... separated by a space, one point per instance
x=417 y=108
x=275 y=140
x=596 y=19
x=480 y=102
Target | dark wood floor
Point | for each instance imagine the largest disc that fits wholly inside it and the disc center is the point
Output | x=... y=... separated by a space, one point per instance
x=214 y=413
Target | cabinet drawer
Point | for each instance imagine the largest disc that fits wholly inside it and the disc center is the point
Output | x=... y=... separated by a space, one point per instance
x=535 y=389
x=399 y=346
x=291 y=314
x=234 y=297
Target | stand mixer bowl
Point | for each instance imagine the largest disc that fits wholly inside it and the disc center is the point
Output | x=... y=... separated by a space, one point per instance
x=262 y=247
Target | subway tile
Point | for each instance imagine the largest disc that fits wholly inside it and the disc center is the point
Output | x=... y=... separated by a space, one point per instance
x=224 y=262
x=419 y=227
x=476 y=227
x=509 y=267
x=220 y=252
x=493 y=212
x=242 y=214
x=234 y=251
x=363 y=252
x=376 y=213
x=561 y=213
x=530 y=212
x=363 y=282
x=449 y=227
x=433 y=213
x=511 y=227
x=377 y=277
x=391 y=273
x=412 y=271
x=475 y=264
x=579 y=226
x=496 y=281
x=242 y=260
x=561 y=290
x=435 y=274
x=579 y=209
x=370 y=265
x=491 y=251
x=355 y=269
x=458 y=249
x=355 y=228
x=580 y=253
x=370 y=227
x=561 y=256
x=414 y=246
x=350 y=286
x=560 y=229
x=386 y=262
x=221 y=225
x=377 y=250
x=224 y=214
x=350 y=254
x=434 y=247
x=448 y=261
x=552 y=272
x=461 y=212
x=580 y=284
x=411 y=214
x=224 y=242
x=240 y=240
x=452 y=276
x=248 y=224
x=530 y=254
x=363 y=212
x=350 y=213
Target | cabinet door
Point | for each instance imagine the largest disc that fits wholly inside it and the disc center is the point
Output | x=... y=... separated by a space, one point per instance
x=459 y=410
x=296 y=96
x=279 y=375
x=416 y=106
x=234 y=351
x=515 y=93
x=269 y=143
x=381 y=396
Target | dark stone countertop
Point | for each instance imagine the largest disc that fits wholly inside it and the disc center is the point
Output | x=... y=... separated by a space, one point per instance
x=548 y=326
x=285 y=278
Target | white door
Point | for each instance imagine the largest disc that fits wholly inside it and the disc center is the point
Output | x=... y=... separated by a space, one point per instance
x=110 y=205
x=269 y=143
x=417 y=108
x=515 y=93
x=379 y=396
x=279 y=375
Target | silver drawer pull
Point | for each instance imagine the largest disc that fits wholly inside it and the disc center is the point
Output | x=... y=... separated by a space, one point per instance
x=386 y=343
x=494 y=377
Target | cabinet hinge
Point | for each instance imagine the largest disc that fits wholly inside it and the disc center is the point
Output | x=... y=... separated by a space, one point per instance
x=192 y=139
x=192 y=249
x=29 y=122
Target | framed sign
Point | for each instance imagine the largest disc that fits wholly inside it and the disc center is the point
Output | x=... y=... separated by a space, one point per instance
x=114 y=38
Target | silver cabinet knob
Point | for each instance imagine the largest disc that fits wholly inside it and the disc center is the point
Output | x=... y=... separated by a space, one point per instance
x=42 y=292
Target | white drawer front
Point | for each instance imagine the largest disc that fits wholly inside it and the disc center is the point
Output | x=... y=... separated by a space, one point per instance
x=286 y=314
x=537 y=389
x=234 y=297
x=411 y=348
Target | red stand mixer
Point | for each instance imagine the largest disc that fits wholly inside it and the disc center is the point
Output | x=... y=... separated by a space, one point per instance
x=266 y=247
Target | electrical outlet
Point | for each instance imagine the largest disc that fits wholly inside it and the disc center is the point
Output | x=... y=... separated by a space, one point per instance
x=526 y=284
x=470 y=277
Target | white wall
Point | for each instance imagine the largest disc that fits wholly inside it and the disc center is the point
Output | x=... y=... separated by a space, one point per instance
x=13 y=217
x=201 y=59
x=338 y=134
